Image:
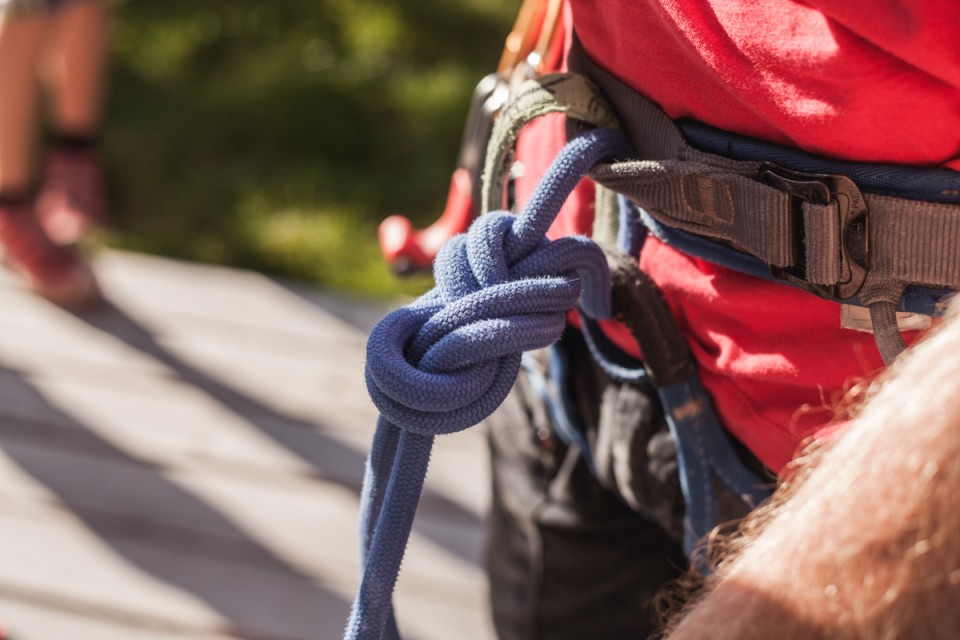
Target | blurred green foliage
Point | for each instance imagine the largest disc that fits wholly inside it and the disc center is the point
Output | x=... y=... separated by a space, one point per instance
x=275 y=135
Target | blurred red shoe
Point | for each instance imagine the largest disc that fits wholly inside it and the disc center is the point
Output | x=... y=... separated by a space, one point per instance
x=72 y=200
x=55 y=272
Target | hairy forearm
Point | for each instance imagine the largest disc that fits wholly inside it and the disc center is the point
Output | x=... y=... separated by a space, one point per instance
x=869 y=545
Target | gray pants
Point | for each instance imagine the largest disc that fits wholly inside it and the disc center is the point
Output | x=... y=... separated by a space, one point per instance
x=573 y=554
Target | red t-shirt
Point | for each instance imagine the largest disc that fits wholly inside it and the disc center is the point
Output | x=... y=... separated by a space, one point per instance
x=833 y=77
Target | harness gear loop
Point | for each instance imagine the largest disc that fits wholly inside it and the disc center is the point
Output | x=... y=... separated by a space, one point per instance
x=565 y=93
x=446 y=361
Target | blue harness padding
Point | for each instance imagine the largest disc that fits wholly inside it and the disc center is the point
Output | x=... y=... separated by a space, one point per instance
x=902 y=181
x=447 y=361
x=704 y=451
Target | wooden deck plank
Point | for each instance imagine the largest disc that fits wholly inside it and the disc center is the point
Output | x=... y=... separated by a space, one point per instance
x=166 y=422
x=124 y=535
x=188 y=460
x=37 y=616
x=311 y=523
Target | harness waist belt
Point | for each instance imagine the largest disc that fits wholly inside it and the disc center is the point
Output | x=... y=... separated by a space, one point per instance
x=815 y=230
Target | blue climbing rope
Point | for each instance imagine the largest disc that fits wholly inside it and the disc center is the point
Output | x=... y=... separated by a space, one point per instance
x=447 y=361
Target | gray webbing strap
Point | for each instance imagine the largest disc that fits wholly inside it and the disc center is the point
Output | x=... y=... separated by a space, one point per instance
x=910 y=241
x=821 y=227
x=709 y=201
x=915 y=242
x=666 y=355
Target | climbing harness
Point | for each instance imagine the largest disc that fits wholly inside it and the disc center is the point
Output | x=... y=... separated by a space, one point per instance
x=882 y=237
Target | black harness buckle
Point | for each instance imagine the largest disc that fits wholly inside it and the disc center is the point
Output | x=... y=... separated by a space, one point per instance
x=823 y=189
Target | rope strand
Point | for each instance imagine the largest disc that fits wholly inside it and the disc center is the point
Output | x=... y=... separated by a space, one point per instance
x=447 y=361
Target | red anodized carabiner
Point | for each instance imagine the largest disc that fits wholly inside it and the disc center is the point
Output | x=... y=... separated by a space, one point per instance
x=533 y=43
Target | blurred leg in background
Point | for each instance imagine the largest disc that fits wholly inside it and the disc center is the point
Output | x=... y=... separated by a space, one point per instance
x=72 y=69
x=56 y=46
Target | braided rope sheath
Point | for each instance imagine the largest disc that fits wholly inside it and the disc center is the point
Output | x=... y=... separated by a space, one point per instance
x=447 y=361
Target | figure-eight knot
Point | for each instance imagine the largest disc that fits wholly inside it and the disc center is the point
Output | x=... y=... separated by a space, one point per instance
x=446 y=361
